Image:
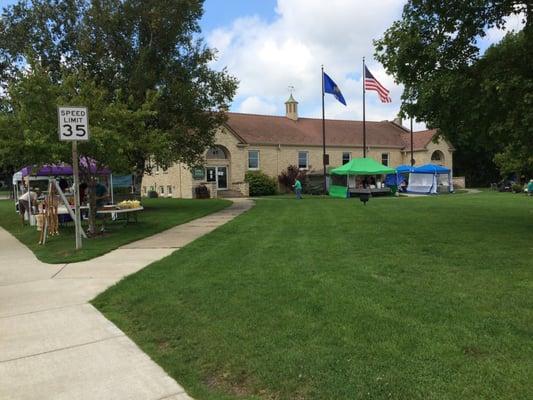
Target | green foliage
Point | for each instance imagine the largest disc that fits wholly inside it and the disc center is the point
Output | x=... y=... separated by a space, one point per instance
x=260 y=183
x=146 y=60
x=517 y=188
x=287 y=178
x=481 y=103
x=140 y=67
x=152 y=194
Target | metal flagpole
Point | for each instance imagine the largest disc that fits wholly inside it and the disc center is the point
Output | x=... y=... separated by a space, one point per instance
x=364 y=116
x=412 y=155
x=323 y=134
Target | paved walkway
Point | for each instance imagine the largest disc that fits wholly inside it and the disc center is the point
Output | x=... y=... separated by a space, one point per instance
x=55 y=345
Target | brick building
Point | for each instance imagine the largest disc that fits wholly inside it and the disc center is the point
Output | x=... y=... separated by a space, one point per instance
x=272 y=143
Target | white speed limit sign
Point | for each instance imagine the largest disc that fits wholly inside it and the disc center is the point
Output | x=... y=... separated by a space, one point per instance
x=73 y=123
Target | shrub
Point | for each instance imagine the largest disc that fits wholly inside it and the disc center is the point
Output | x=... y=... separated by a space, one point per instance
x=517 y=188
x=314 y=185
x=201 y=192
x=260 y=184
x=286 y=179
x=152 y=194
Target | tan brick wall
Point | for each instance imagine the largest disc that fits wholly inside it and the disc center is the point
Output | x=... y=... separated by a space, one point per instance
x=274 y=159
x=424 y=156
x=177 y=176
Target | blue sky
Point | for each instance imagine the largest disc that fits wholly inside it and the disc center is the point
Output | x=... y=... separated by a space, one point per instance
x=270 y=45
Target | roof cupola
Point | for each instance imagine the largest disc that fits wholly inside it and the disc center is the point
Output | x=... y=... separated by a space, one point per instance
x=291 y=108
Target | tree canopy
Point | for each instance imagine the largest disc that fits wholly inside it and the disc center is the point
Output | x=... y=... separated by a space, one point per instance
x=141 y=66
x=481 y=102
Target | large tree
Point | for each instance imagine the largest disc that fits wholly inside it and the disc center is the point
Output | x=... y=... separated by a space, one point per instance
x=481 y=102
x=142 y=55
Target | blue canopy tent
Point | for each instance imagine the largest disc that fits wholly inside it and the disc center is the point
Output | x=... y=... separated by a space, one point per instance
x=396 y=179
x=430 y=179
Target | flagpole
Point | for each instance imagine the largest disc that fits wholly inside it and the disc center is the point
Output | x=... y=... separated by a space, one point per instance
x=412 y=154
x=364 y=111
x=324 y=134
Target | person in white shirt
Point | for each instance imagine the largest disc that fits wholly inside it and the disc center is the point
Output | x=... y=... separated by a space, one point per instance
x=24 y=202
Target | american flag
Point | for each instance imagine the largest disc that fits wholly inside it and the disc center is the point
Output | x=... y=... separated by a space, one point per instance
x=372 y=83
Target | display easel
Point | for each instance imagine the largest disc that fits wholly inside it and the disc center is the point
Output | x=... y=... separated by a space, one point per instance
x=51 y=211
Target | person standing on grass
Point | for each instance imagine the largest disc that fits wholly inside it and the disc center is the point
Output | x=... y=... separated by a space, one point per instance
x=297 y=188
x=26 y=201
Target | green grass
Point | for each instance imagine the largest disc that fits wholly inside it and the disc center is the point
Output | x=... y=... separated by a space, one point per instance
x=158 y=215
x=405 y=298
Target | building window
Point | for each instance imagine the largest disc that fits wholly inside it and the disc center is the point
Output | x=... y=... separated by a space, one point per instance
x=385 y=159
x=253 y=159
x=346 y=157
x=437 y=157
x=162 y=189
x=216 y=153
x=169 y=189
x=303 y=160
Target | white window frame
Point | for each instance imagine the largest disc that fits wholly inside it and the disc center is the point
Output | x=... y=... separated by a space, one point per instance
x=306 y=159
x=162 y=189
x=169 y=189
x=388 y=158
x=349 y=157
x=258 y=160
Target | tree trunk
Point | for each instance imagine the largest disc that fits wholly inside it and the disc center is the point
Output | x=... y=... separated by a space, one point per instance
x=138 y=176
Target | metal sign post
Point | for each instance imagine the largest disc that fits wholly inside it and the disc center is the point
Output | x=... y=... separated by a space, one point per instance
x=73 y=126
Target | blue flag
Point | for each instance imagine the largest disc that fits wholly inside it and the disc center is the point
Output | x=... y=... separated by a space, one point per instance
x=332 y=88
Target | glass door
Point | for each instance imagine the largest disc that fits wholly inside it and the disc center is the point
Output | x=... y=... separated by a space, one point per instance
x=218 y=175
x=222 y=178
x=211 y=174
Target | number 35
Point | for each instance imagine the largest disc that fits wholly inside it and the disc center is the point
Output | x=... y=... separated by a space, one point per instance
x=80 y=130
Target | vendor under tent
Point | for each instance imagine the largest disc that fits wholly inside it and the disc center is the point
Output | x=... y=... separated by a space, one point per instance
x=353 y=171
x=430 y=179
x=45 y=172
x=31 y=175
x=394 y=181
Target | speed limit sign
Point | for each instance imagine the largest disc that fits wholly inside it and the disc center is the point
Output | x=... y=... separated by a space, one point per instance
x=73 y=123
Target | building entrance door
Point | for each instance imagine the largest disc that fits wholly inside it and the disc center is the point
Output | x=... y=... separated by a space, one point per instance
x=218 y=175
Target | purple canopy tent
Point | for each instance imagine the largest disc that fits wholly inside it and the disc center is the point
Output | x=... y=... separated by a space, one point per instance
x=61 y=169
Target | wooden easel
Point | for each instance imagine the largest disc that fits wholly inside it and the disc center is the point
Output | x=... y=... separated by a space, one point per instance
x=50 y=215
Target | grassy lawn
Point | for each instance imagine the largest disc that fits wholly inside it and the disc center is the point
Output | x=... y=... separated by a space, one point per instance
x=158 y=215
x=406 y=298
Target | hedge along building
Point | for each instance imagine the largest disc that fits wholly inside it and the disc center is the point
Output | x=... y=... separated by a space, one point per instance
x=250 y=142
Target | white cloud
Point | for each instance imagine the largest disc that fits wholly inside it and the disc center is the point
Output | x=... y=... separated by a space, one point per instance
x=512 y=23
x=255 y=105
x=267 y=57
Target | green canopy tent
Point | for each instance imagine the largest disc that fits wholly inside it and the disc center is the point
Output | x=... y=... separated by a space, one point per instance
x=357 y=166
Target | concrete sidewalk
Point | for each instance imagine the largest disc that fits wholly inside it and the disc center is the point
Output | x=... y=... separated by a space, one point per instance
x=54 y=345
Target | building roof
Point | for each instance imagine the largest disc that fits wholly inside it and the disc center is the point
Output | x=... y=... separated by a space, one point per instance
x=420 y=139
x=267 y=129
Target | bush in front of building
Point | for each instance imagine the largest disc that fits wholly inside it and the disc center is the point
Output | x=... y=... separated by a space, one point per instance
x=152 y=194
x=286 y=179
x=517 y=188
x=260 y=184
x=202 y=192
